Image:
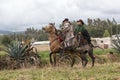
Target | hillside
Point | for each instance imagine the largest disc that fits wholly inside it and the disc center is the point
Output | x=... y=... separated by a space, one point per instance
x=5 y=32
x=2 y=32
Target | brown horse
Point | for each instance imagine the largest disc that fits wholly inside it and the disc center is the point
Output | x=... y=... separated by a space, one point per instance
x=55 y=45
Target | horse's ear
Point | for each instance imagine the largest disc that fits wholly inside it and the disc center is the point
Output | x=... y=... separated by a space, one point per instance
x=54 y=23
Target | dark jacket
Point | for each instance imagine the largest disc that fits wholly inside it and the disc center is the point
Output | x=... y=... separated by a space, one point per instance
x=83 y=31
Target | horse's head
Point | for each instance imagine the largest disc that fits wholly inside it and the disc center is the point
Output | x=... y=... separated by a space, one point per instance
x=50 y=28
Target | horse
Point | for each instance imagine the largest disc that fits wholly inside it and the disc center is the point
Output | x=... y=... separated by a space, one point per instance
x=55 y=45
x=82 y=48
x=88 y=49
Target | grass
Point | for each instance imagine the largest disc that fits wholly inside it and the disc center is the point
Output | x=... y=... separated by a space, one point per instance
x=100 y=51
x=1 y=50
x=108 y=71
x=2 y=53
x=44 y=54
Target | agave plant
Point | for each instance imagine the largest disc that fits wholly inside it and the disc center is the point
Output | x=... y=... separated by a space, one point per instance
x=116 y=43
x=16 y=51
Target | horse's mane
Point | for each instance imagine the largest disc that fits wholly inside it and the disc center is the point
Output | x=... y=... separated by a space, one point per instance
x=53 y=24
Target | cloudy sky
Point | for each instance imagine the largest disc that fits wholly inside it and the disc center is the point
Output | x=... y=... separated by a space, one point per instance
x=20 y=14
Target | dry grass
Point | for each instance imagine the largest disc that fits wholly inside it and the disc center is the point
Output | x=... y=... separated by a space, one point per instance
x=108 y=71
x=41 y=48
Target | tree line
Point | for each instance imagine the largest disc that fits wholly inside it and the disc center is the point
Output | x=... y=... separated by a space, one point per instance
x=101 y=28
x=96 y=28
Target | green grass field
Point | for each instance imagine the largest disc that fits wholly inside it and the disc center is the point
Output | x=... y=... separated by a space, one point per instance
x=106 y=71
x=100 y=51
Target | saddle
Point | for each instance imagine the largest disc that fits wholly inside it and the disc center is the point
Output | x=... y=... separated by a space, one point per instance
x=60 y=38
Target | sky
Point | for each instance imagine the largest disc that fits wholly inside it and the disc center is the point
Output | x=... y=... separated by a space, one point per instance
x=17 y=15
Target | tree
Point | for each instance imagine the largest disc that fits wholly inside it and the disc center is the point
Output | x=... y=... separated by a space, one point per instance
x=89 y=21
x=36 y=34
x=106 y=34
x=6 y=40
x=97 y=27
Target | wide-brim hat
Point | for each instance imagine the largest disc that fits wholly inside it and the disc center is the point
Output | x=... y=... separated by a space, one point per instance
x=66 y=19
x=80 y=20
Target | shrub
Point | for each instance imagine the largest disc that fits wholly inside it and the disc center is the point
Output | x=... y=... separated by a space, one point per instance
x=20 y=56
x=16 y=51
x=106 y=34
x=6 y=40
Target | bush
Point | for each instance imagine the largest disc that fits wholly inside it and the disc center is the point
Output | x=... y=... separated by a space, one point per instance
x=6 y=40
x=19 y=56
x=106 y=34
x=16 y=51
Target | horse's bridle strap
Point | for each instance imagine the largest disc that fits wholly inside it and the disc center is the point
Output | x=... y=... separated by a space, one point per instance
x=53 y=41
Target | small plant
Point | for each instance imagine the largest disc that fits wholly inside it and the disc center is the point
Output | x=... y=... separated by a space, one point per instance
x=116 y=43
x=20 y=56
x=16 y=50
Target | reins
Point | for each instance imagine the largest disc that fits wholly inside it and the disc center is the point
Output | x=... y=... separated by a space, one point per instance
x=53 y=40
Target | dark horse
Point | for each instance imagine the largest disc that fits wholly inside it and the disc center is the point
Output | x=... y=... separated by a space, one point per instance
x=56 y=47
x=83 y=46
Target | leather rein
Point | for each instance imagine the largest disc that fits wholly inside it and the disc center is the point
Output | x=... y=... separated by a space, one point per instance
x=53 y=40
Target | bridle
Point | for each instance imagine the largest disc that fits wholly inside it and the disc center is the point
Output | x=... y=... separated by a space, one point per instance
x=55 y=38
x=53 y=41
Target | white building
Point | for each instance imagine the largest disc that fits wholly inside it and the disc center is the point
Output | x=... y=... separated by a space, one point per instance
x=102 y=42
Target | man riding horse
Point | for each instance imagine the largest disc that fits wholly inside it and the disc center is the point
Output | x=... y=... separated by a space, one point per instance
x=81 y=30
x=68 y=33
x=78 y=40
x=55 y=45
x=67 y=30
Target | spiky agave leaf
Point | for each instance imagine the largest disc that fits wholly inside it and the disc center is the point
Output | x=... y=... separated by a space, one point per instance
x=16 y=51
x=10 y=49
x=22 y=51
x=116 y=43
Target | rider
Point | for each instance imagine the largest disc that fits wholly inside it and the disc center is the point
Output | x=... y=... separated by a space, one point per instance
x=80 y=29
x=65 y=23
x=68 y=32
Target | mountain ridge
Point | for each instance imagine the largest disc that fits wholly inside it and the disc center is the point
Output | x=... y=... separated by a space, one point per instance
x=2 y=32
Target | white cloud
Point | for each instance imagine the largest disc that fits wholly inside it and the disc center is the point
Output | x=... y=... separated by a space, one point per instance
x=20 y=14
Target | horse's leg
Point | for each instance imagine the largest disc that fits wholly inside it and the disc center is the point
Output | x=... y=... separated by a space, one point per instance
x=84 y=59
x=50 y=55
x=90 y=52
x=73 y=61
x=61 y=52
x=81 y=56
x=54 y=56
